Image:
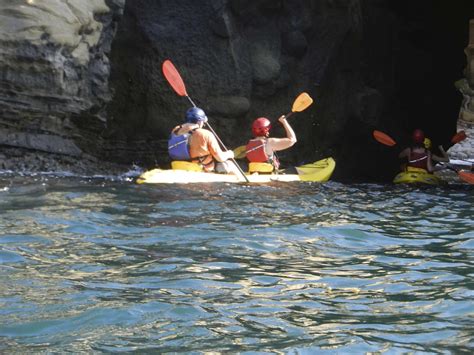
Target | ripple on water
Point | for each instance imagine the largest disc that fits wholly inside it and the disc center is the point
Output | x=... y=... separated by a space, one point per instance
x=294 y=268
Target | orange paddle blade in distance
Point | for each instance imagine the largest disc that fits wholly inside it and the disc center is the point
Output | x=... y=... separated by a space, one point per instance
x=466 y=176
x=384 y=138
x=173 y=78
x=458 y=137
x=302 y=102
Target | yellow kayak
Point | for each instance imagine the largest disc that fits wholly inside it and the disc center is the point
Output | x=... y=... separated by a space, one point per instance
x=417 y=176
x=319 y=171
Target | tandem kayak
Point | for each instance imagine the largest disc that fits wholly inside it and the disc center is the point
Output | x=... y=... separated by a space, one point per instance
x=417 y=176
x=319 y=171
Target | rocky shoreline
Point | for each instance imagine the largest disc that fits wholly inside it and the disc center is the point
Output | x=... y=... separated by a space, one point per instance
x=21 y=161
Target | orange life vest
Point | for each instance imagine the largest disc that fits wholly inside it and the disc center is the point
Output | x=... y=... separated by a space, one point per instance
x=256 y=153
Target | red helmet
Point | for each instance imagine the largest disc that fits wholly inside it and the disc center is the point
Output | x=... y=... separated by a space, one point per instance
x=418 y=136
x=261 y=127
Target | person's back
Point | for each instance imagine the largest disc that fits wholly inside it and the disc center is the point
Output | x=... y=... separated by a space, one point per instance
x=202 y=146
x=262 y=148
x=417 y=155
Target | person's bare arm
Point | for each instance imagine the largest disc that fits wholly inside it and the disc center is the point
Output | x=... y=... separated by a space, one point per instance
x=277 y=144
x=429 y=163
x=444 y=158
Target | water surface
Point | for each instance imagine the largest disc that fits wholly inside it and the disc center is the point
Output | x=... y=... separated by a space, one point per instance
x=97 y=266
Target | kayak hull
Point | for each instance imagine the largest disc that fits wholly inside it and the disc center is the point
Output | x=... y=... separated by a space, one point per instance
x=417 y=176
x=319 y=171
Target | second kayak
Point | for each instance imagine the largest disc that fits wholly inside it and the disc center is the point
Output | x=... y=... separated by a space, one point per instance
x=417 y=176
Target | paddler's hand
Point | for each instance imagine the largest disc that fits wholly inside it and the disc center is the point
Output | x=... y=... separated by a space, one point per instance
x=282 y=119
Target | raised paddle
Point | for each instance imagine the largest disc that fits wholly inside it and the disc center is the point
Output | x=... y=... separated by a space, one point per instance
x=458 y=137
x=301 y=103
x=385 y=139
x=174 y=79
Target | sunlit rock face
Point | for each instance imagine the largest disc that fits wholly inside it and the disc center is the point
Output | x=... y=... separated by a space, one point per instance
x=465 y=149
x=54 y=72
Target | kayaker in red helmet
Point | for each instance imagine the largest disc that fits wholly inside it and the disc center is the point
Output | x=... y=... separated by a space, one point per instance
x=417 y=155
x=262 y=148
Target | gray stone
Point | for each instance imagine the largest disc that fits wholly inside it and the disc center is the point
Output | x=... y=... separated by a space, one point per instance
x=42 y=142
x=228 y=106
x=295 y=43
x=265 y=66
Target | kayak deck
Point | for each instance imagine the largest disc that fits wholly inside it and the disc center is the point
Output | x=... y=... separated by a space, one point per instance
x=319 y=171
x=417 y=176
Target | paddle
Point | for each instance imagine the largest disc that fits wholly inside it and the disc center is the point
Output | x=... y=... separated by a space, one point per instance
x=385 y=139
x=458 y=137
x=463 y=175
x=301 y=103
x=174 y=79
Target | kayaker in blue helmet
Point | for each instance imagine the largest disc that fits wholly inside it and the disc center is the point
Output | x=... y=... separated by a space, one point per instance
x=417 y=155
x=262 y=148
x=191 y=142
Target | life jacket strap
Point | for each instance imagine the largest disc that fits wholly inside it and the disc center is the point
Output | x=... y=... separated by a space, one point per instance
x=417 y=160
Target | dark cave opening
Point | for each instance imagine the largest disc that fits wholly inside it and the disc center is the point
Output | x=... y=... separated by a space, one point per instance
x=415 y=54
x=428 y=59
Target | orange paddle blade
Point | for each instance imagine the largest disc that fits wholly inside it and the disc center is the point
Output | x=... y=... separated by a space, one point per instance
x=458 y=137
x=384 y=138
x=466 y=176
x=173 y=78
x=302 y=102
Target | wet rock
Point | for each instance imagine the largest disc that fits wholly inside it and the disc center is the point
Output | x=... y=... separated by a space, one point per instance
x=228 y=106
x=265 y=66
x=53 y=59
x=295 y=43
x=43 y=142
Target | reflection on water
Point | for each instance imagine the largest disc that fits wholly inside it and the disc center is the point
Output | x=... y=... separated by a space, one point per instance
x=302 y=268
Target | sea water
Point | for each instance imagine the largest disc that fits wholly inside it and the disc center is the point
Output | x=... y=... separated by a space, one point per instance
x=97 y=265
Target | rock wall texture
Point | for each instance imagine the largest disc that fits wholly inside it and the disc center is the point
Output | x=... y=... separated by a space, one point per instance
x=240 y=60
x=465 y=149
x=54 y=74
x=81 y=79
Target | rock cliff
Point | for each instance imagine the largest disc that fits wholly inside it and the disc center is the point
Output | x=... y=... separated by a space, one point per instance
x=54 y=84
x=82 y=85
x=465 y=149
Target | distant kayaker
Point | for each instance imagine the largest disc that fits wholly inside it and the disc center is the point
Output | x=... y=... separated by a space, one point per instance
x=417 y=155
x=261 y=149
x=192 y=143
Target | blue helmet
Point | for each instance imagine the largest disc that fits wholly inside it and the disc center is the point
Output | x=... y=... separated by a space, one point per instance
x=195 y=115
